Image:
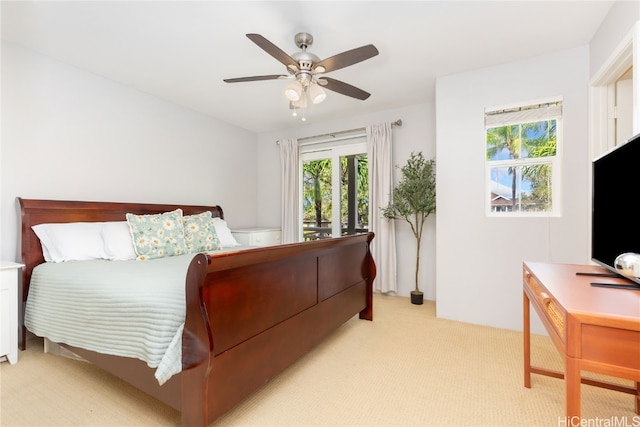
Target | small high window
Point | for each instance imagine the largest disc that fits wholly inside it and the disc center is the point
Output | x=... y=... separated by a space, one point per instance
x=522 y=163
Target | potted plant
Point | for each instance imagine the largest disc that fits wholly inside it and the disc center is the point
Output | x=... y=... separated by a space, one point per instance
x=413 y=199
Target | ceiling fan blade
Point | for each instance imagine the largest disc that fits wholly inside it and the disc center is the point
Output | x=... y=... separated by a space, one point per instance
x=273 y=50
x=256 y=78
x=347 y=58
x=345 y=88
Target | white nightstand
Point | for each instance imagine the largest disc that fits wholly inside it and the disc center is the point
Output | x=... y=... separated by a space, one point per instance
x=258 y=236
x=9 y=310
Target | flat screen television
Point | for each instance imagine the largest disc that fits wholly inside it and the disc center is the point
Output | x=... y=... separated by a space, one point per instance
x=615 y=219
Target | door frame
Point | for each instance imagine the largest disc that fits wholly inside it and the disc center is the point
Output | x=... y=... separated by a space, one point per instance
x=602 y=93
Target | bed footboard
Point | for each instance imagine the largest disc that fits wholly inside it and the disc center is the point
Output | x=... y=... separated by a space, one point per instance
x=253 y=313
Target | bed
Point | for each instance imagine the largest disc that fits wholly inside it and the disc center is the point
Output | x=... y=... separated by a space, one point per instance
x=249 y=313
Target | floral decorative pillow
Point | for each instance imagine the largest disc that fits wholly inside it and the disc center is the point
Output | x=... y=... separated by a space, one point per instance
x=158 y=235
x=200 y=234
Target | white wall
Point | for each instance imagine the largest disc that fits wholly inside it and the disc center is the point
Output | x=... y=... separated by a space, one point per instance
x=71 y=135
x=479 y=261
x=417 y=133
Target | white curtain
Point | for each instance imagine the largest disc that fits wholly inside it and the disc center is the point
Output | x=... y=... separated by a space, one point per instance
x=289 y=161
x=383 y=246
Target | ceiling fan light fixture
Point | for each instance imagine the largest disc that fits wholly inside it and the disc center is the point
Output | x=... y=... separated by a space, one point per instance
x=317 y=94
x=300 y=103
x=293 y=91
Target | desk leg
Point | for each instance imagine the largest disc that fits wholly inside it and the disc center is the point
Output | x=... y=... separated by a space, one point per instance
x=638 y=397
x=527 y=340
x=572 y=379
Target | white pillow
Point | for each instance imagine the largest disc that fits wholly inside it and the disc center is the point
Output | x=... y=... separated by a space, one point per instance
x=118 y=243
x=73 y=241
x=224 y=234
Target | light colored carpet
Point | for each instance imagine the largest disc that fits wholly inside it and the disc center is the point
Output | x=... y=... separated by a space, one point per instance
x=406 y=368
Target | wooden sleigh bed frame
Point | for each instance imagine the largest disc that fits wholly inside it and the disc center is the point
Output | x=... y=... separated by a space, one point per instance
x=249 y=314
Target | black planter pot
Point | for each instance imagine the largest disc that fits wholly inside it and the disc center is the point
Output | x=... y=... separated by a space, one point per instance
x=417 y=297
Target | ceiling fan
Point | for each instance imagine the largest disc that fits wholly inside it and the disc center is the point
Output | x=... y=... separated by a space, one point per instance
x=308 y=70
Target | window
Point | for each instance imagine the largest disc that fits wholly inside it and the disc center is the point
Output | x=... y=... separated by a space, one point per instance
x=522 y=163
x=334 y=175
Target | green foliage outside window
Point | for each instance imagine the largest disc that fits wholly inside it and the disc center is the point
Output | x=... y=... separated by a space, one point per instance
x=529 y=178
x=317 y=192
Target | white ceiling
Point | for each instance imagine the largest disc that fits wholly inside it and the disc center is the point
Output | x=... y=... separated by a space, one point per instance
x=180 y=51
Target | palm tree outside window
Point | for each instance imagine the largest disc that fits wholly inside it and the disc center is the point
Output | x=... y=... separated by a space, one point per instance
x=522 y=161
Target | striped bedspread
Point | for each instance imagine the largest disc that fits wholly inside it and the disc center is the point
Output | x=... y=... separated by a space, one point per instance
x=122 y=308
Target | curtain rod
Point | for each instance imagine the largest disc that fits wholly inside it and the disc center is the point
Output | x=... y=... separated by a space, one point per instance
x=333 y=135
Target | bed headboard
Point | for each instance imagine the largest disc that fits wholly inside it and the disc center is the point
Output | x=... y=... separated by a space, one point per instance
x=33 y=212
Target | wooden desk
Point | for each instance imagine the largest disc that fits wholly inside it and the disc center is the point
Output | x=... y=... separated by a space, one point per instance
x=595 y=329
